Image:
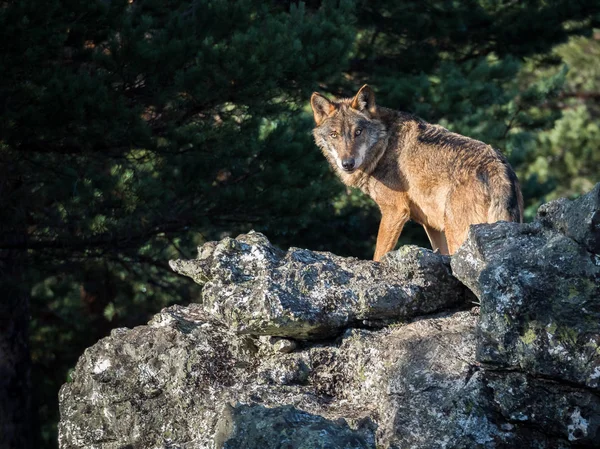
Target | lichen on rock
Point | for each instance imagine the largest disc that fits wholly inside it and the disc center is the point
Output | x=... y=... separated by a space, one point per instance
x=255 y=288
x=539 y=290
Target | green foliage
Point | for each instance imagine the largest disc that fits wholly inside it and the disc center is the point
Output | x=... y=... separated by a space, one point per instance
x=134 y=131
x=566 y=160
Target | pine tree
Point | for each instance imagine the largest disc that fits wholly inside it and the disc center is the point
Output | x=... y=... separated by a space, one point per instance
x=133 y=131
x=567 y=161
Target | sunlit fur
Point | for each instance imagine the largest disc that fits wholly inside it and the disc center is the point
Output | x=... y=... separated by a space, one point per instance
x=415 y=170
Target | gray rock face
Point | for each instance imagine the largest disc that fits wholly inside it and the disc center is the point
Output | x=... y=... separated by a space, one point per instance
x=246 y=369
x=543 y=413
x=539 y=329
x=540 y=298
x=184 y=382
x=579 y=219
x=272 y=428
x=256 y=288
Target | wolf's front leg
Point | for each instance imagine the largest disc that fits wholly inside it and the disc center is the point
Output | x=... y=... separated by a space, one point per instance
x=392 y=222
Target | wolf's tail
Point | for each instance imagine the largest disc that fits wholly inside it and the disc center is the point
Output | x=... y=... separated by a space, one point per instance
x=506 y=197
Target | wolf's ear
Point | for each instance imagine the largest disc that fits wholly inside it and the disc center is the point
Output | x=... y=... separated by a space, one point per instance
x=365 y=100
x=321 y=107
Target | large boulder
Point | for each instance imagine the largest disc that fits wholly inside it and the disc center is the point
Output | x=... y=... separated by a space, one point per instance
x=185 y=382
x=255 y=288
x=539 y=288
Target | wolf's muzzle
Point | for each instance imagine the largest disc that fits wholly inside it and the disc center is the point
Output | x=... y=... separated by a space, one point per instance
x=348 y=164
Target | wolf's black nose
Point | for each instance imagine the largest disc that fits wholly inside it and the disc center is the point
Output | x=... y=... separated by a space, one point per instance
x=348 y=164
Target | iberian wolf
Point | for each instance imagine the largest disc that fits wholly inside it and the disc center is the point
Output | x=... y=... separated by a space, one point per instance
x=415 y=170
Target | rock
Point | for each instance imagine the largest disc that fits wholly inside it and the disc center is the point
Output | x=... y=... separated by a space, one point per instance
x=283 y=345
x=540 y=300
x=511 y=409
x=255 y=426
x=167 y=385
x=539 y=288
x=545 y=409
x=578 y=219
x=184 y=382
x=255 y=288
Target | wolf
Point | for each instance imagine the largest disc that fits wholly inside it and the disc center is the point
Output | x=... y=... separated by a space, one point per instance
x=415 y=170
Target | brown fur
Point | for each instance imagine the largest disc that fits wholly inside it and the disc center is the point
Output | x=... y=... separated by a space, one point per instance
x=415 y=170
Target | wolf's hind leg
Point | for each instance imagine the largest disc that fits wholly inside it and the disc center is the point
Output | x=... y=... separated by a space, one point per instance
x=466 y=204
x=455 y=237
x=437 y=239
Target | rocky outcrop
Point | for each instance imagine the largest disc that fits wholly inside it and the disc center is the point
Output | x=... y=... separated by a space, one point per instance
x=539 y=287
x=184 y=381
x=255 y=288
x=301 y=349
x=540 y=300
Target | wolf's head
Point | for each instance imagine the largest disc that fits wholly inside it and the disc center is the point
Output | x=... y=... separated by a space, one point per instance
x=347 y=129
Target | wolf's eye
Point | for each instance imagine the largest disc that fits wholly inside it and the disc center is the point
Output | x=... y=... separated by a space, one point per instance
x=357 y=132
x=333 y=134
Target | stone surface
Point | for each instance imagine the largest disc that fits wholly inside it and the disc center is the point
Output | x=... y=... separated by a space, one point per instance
x=578 y=219
x=255 y=288
x=181 y=381
x=184 y=382
x=278 y=344
x=256 y=426
x=543 y=410
x=540 y=300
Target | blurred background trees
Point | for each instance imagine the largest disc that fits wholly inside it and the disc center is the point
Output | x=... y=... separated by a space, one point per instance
x=133 y=131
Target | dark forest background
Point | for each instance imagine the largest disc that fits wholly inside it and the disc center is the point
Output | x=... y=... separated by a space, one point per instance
x=133 y=131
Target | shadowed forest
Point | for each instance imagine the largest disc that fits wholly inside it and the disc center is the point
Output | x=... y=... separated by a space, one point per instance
x=133 y=131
